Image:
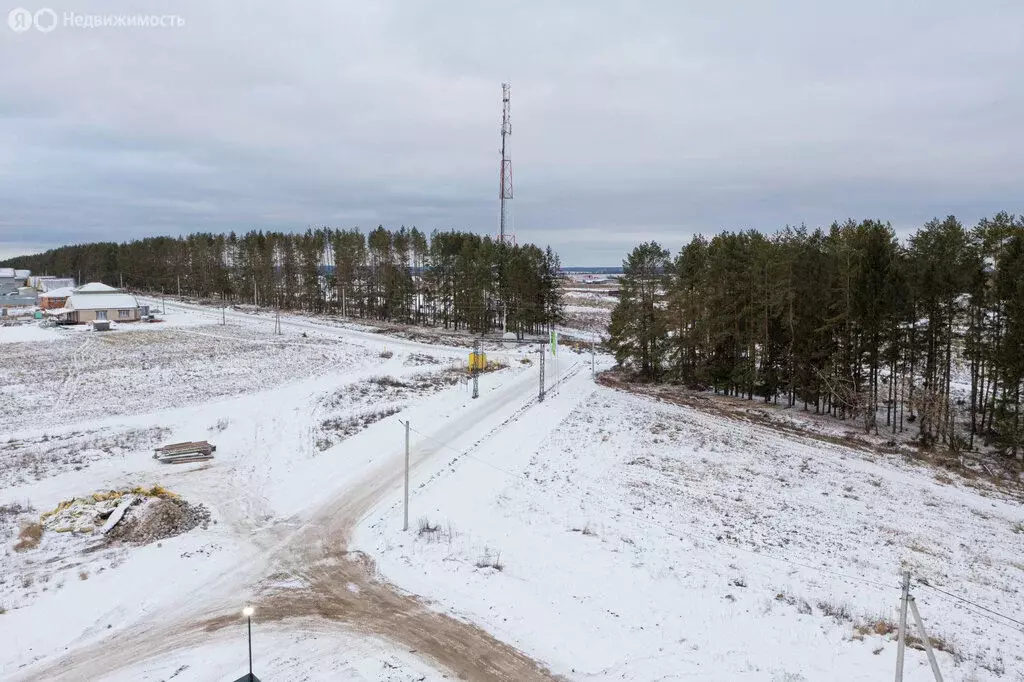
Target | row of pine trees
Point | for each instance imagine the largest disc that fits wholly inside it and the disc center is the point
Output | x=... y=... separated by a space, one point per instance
x=456 y=280
x=850 y=321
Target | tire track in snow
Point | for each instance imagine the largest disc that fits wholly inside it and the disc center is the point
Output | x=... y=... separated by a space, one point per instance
x=335 y=585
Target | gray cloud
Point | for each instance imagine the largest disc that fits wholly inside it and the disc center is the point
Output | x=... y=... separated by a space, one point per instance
x=630 y=122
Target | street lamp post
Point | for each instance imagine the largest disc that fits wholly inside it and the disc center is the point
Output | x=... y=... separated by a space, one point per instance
x=247 y=612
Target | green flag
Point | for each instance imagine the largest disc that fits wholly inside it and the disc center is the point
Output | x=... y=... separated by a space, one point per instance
x=554 y=341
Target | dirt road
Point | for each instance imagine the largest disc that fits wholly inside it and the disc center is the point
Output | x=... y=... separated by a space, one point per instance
x=328 y=582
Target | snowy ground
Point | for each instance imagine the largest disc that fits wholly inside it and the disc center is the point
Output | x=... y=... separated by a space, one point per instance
x=680 y=545
x=607 y=535
x=85 y=411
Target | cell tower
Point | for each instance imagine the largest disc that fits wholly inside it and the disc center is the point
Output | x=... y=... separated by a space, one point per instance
x=505 y=191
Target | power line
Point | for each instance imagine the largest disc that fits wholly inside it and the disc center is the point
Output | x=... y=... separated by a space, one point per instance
x=924 y=583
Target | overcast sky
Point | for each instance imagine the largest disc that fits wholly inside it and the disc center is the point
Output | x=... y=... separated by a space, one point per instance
x=631 y=120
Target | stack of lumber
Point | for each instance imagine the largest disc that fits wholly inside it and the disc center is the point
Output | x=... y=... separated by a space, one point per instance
x=179 y=453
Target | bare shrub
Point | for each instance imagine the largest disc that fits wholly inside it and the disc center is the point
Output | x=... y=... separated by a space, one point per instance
x=386 y=354
x=83 y=575
x=490 y=560
x=801 y=605
x=427 y=528
x=880 y=626
x=938 y=643
x=29 y=537
x=343 y=427
x=14 y=509
x=389 y=381
x=585 y=530
x=837 y=611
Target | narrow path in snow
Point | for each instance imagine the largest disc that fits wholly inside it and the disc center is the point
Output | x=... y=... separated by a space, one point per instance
x=311 y=573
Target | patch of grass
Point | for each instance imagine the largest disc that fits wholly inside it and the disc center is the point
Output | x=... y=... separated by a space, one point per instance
x=388 y=381
x=336 y=430
x=14 y=509
x=1018 y=527
x=29 y=537
x=839 y=612
x=83 y=575
x=880 y=626
x=386 y=354
x=427 y=528
x=939 y=644
x=585 y=530
x=490 y=560
x=801 y=605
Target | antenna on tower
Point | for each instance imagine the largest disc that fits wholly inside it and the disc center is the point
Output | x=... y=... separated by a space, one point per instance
x=505 y=190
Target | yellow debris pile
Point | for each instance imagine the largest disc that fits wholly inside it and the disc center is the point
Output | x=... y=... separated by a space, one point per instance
x=88 y=514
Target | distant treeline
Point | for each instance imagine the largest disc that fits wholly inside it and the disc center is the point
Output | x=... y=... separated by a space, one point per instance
x=847 y=320
x=455 y=279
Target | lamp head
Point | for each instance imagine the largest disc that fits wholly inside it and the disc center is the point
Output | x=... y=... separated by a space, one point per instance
x=248 y=611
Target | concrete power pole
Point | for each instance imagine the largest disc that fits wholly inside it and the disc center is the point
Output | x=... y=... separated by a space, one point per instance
x=405 y=523
x=901 y=647
x=543 y=352
x=476 y=370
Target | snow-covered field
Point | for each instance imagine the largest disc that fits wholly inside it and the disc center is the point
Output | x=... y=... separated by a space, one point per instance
x=605 y=535
x=647 y=541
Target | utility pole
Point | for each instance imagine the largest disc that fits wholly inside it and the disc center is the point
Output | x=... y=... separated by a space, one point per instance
x=405 y=523
x=476 y=370
x=543 y=352
x=255 y=302
x=593 y=370
x=223 y=315
x=179 y=287
x=277 y=321
x=901 y=647
x=924 y=638
x=505 y=176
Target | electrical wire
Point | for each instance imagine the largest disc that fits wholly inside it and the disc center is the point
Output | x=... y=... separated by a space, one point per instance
x=924 y=583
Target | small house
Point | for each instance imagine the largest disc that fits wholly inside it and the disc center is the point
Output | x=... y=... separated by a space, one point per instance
x=96 y=301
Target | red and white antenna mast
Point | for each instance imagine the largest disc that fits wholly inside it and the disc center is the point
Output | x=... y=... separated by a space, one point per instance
x=505 y=191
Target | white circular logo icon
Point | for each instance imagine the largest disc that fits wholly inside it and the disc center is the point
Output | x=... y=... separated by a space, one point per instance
x=46 y=20
x=20 y=19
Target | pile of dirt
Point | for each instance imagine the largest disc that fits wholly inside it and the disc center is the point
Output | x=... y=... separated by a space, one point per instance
x=157 y=518
x=136 y=516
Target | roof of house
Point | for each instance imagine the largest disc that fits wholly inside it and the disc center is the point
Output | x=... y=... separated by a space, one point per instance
x=23 y=274
x=63 y=292
x=7 y=272
x=80 y=301
x=96 y=288
x=50 y=283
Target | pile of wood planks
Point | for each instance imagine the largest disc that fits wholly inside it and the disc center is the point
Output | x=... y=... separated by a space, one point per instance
x=179 y=453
